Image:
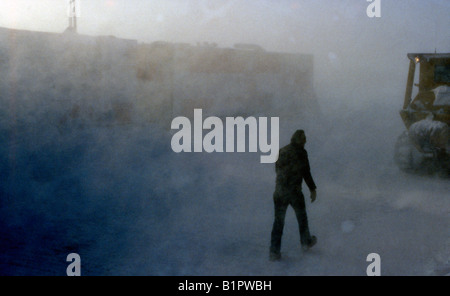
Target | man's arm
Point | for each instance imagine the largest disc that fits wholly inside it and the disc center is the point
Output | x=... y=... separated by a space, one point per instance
x=307 y=173
x=308 y=178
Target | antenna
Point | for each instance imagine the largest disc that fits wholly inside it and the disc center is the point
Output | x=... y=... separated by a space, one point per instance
x=435 y=36
x=72 y=16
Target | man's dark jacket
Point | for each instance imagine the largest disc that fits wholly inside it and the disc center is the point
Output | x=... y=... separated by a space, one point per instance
x=292 y=167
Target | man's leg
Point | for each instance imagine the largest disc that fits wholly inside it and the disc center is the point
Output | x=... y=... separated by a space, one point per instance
x=298 y=203
x=277 y=229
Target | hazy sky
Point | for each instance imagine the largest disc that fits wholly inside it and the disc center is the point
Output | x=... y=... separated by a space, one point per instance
x=296 y=23
x=338 y=33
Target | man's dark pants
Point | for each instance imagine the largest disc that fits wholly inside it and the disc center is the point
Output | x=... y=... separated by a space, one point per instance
x=282 y=198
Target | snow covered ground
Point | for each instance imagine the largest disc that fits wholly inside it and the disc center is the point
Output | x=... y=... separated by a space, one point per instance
x=120 y=198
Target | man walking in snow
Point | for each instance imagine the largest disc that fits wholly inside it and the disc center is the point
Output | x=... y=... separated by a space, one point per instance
x=292 y=167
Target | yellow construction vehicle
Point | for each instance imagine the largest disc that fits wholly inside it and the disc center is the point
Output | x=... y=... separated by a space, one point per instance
x=425 y=145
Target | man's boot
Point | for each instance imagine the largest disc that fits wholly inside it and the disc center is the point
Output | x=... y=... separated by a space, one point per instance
x=311 y=243
x=274 y=256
